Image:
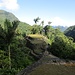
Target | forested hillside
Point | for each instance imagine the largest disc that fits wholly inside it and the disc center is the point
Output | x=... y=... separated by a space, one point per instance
x=22 y=44
x=22 y=27
x=70 y=32
x=6 y=15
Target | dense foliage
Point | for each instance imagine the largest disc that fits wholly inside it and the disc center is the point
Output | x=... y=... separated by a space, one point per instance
x=36 y=29
x=15 y=50
x=70 y=32
x=63 y=47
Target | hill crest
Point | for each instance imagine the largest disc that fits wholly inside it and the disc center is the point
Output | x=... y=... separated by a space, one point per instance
x=7 y=15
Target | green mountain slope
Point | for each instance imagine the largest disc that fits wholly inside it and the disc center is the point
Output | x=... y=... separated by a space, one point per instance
x=23 y=27
x=70 y=32
x=6 y=15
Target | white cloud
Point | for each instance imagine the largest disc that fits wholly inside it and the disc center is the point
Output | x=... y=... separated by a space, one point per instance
x=9 y=4
x=58 y=21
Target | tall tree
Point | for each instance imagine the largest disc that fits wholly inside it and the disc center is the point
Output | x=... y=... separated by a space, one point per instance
x=48 y=30
x=7 y=33
x=42 y=22
x=49 y=22
x=36 y=20
x=42 y=30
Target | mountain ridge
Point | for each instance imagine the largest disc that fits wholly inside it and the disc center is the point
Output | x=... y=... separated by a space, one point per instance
x=62 y=28
x=22 y=27
x=7 y=15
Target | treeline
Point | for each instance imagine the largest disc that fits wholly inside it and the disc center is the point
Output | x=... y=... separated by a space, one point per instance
x=15 y=55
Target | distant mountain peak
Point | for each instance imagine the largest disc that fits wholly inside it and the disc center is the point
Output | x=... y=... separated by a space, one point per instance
x=62 y=28
x=22 y=27
x=7 y=15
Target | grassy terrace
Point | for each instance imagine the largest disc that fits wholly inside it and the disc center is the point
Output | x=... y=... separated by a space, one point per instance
x=36 y=35
x=41 y=37
x=52 y=69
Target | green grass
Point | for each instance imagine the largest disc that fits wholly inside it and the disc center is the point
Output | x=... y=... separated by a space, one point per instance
x=52 y=69
x=36 y=35
x=41 y=37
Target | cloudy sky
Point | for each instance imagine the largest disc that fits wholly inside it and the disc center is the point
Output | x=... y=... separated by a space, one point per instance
x=59 y=12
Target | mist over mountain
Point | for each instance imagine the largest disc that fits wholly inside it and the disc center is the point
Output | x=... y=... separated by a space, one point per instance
x=62 y=28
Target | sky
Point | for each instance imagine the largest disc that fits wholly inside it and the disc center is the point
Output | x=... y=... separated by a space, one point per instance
x=59 y=12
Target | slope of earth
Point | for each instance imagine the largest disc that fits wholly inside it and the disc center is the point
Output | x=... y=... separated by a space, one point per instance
x=54 y=69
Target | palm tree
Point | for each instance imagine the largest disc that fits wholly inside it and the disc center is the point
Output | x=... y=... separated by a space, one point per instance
x=36 y=20
x=42 y=22
x=7 y=33
x=42 y=30
x=46 y=28
x=49 y=23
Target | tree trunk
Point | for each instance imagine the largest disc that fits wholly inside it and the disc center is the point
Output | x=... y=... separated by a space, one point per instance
x=9 y=56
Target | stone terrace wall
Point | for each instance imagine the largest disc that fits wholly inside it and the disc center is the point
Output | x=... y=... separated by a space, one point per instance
x=55 y=60
x=30 y=68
